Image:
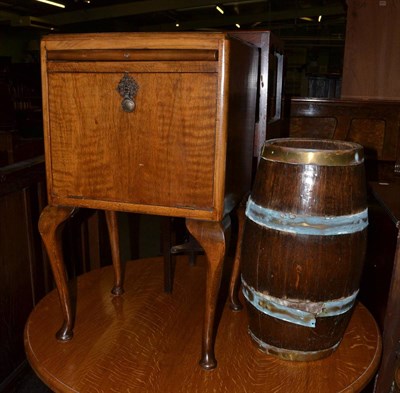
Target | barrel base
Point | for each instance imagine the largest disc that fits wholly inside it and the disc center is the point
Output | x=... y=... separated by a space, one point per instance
x=291 y=354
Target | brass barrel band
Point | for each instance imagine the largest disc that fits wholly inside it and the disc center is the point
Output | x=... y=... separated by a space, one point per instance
x=304 y=224
x=293 y=354
x=302 y=151
x=299 y=312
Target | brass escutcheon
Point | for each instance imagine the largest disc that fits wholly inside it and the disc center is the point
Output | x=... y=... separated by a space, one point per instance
x=127 y=88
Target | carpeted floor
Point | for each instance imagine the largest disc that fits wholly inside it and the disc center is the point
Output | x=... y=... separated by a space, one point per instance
x=30 y=383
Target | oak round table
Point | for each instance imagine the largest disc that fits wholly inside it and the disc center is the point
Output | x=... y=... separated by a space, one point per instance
x=147 y=341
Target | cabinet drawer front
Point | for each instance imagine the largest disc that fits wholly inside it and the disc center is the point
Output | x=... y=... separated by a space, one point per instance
x=162 y=153
x=133 y=55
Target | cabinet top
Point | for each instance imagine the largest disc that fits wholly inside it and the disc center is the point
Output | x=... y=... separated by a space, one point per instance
x=133 y=40
x=156 y=40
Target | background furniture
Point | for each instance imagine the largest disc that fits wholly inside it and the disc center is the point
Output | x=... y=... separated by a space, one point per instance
x=371 y=55
x=375 y=124
x=20 y=113
x=23 y=270
x=388 y=196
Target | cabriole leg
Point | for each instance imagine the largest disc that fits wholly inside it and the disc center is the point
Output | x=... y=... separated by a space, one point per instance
x=112 y=225
x=212 y=237
x=234 y=286
x=51 y=223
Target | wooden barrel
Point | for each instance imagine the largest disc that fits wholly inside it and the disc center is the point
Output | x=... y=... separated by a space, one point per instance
x=304 y=245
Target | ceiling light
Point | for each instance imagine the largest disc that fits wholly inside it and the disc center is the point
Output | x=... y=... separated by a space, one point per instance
x=237 y=25
x=177 y=24
x=319 y=18
x=219 y=9
x=52 y=3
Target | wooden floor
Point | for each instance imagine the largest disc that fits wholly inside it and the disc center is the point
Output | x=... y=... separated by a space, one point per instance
x=149 y=341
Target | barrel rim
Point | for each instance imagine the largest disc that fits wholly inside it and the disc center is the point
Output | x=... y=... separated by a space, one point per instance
x=346 y=153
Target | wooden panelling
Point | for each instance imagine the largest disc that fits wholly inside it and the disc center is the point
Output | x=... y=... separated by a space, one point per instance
x=373 y=124
x=321 y=127
x=370 y=133
x=372 y=57
x=23 y=277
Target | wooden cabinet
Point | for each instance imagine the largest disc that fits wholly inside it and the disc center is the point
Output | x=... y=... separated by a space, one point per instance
x=189 y=136
x=155 y=123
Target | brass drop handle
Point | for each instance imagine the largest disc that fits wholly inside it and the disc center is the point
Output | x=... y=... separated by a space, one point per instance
x=127 y=88
x=128 y=105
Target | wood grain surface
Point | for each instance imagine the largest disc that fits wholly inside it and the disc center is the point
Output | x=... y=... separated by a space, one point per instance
x=371 y=54
x=147 y=341
x=129 y=151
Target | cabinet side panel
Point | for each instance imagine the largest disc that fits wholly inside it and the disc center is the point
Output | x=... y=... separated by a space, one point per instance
x=243 y=79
